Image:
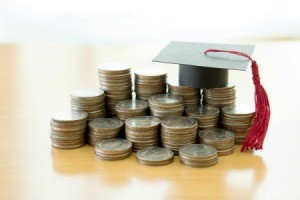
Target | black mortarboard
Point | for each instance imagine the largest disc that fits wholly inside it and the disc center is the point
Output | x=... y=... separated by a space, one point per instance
x=204 y=71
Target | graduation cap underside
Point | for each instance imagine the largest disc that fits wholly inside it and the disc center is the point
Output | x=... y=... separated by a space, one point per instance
x=204 y=71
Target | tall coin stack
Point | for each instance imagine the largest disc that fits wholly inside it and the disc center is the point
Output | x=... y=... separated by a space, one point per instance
x=89 y=100
x=237 y=118
x=131 y=108
x=115 y=81
x=104 y=128
x=68 y=129
x=221 y=139
x=206 y=116
x=149 y=81
x=178 y=131
x=219 y=97
x=191 y=96
x=198 y=155
x=142 y=131
x=165 y=105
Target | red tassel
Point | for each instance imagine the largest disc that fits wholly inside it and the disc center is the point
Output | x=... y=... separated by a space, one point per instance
x=257 y=133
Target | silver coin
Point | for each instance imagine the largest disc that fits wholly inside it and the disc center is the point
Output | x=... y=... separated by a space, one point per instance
x=114 y=145
x=178 y=122
x=114 y=67
x=167 y=99
x=132 y=105
x=198 y=151
x=155 y=154
x=87 y=93
x=142 y=121
x=69 y=116
x=238 y=109
x=150 y=72
x=203 y=110
x=216 y=134
x=106 y=123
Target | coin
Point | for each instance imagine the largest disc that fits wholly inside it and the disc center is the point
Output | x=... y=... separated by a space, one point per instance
x=131 y=108
x=238 y=109
x=69 y=116
x=220 y=97
x=155 y=156
x=113 y=146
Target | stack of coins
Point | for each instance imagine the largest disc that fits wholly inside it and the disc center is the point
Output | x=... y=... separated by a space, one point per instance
x=131 y=108
x=165 y=105
x=89 y=100
x=198 y=155
x=237 y=118
x=155 y=156
x=177 y=132
x=142 y=131
x=68 y=129
x=103 y=128
x=113 y=149
x=149 y=81
x=191 y=96
x=115 y=81
x=221 y=139
x=206 y=116
x=219 y=97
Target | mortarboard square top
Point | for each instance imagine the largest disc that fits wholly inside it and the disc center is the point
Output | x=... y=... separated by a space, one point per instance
x=204 y=71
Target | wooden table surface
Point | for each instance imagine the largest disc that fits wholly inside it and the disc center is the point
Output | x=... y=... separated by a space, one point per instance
x=35 y=82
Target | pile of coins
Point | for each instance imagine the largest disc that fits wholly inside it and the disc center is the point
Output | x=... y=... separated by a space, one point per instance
x=89 y=100
x=131 y=108
x=113 y=149
x=142 y=131
x=198 y=155
x=191 y=96
x=219 y=97
x=206 y=116
x=165 y=105
x=178 y=131
x=155 y=156
x=149 y=81
x=68 y=129
x=115 y=81
x=104 y=128
x=221 y=139
x=237 y=118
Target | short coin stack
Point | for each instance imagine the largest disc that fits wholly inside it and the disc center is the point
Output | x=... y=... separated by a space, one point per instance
x=206 y=116
x=155 y=156
x=220 y=97
x=191 y=96
x=103 y=128
x=198 y=155
x=131 y=108
x=68 y=129
x=115 y=81
x=177 y=132
x=113 y=149
x=165 y=105
x=237 y=118
x=221 y=139
x=149 y=81
x=89 y=100
x=142 y=131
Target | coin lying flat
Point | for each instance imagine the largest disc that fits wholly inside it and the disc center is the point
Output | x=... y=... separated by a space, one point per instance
x=113 y=149
x=68 y=129
x=238 y=119
x=149 y=81
x=220 y=97
x=221 y=139
x=115 y=81
x=131 y=108
x=142 y=131
x=198 y=155
x=155 y=156
x=103 y=128
x=178 y=131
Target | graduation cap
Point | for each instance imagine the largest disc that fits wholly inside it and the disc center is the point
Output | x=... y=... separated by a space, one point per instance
x=206 y=65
